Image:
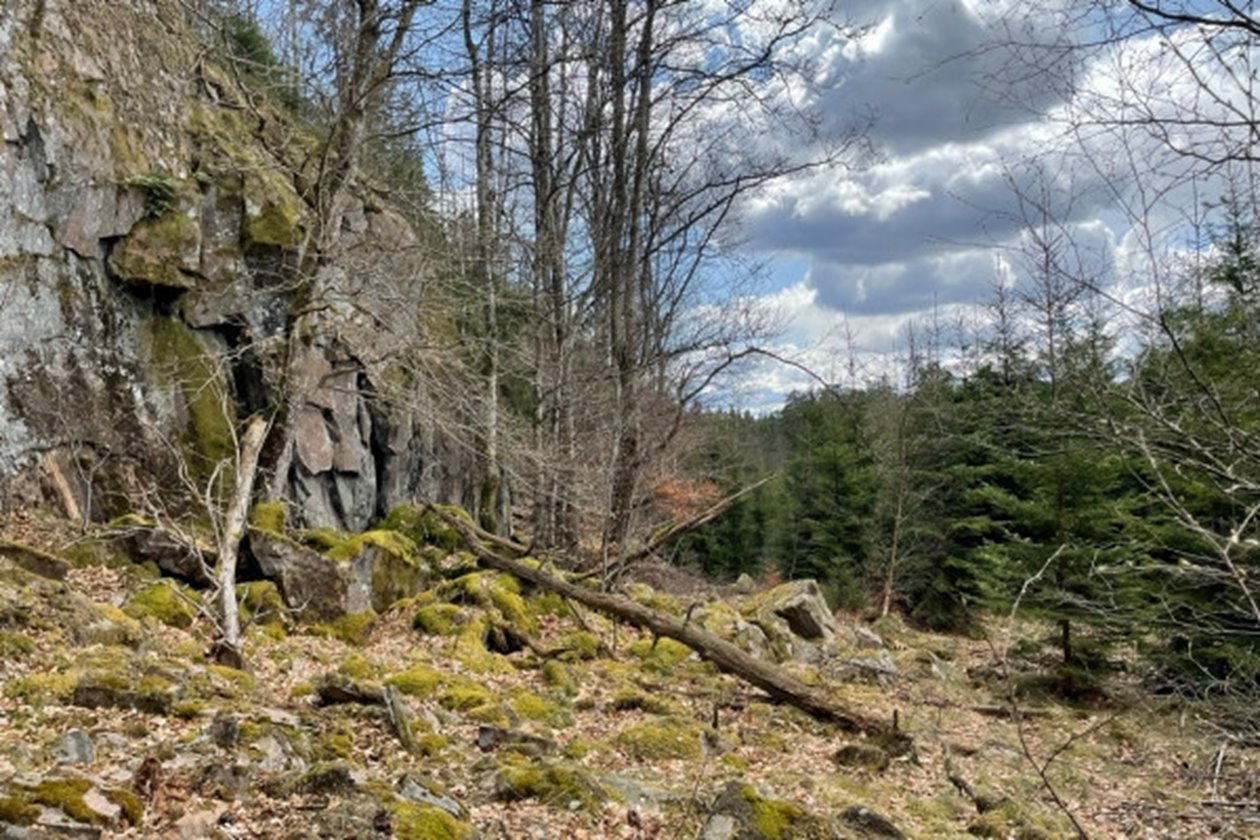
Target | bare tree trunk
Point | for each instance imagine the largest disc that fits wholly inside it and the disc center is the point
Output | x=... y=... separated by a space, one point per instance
x=228 y=647
x=890 y=573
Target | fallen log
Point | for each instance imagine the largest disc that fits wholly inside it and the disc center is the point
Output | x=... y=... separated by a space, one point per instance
x=770 y=678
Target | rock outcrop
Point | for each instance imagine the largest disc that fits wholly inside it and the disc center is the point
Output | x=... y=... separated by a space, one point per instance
x=153 y=216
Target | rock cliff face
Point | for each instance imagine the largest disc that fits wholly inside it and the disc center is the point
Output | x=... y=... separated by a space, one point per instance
x=152 y=222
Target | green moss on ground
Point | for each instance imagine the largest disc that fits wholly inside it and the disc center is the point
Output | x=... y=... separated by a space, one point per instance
x=353 y=628
x=667 y=738
x=660 y=655
x=557 y=675
x=417 y=681
x=160 y=601
x=44 y=688
x=16 y=810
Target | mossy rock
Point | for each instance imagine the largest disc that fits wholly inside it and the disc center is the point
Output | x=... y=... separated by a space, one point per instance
x=115 y=689
x=759 y=818
x=425 y=527
x=384 y=565
x=492 y=590
x=418 y=680
x=162 y=602
x=464 y=695
x=132 y=805
x=629 y=699
x=260 y=602
x=274 y=214
x=413 y=821
x=112 y=626
x=559 y=785
x=35 y=561
x=660 y=655
x=269 y=516
x=66 y=795
x=664 y=739
x=529 y=706
x=862 y=756
x=440 y=619
x=184 y=366
x=358 y=667
x=159 y=251
x=580 y=645
x=472 y=653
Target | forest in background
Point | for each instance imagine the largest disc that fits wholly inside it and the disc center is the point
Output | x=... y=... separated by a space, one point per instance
x=1072 y=452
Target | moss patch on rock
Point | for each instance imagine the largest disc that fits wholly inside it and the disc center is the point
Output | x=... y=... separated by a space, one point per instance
x=413 y=821
x=184 y=366
x=417 y=681
x=269 y=516
x=112 y=626
x=551 y=783
x=440 y=619
x=425 y=527
x=158 y=251
x=67 y=795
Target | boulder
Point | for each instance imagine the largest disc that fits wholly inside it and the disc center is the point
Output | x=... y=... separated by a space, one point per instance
x=740 y=813
x=307 y=580
x=174 y=554
x=795 y=619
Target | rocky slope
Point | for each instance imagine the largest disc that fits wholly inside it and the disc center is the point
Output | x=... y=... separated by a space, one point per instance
x=151 y=220
x=466 y=706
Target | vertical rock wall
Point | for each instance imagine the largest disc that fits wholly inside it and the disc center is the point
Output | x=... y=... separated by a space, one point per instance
x=150 y=225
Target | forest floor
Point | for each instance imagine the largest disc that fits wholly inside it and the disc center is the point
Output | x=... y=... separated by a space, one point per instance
x=613 y=736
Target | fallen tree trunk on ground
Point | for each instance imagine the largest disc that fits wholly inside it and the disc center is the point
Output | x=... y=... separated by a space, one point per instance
x=776 y=682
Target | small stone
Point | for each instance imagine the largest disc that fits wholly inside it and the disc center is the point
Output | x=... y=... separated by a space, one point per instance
x=744 y=584
x=425 y=793
x=867 y=638
x=866 y=756
x=719 y=827
x=75 y=747
x=225 y=731
x=108 y=811
x=873 y=824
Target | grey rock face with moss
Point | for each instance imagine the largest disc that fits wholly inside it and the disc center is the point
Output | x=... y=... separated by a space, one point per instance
x=150 y=237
